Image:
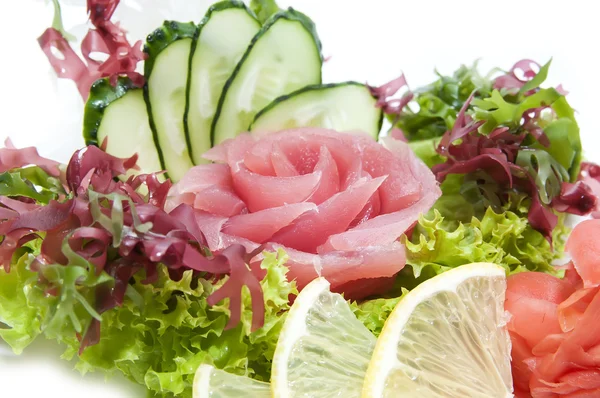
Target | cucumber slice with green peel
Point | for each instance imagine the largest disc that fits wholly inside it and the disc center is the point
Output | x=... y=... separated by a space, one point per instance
x=166 y=72
x=118 y=113
x=284 y=56
x=216 y=51
x=347 y=106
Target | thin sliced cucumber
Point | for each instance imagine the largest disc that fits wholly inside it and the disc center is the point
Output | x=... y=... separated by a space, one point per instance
x=118 y=113
x=284 y=56
x=166 y=72
x=216 y=51
x=347 y=106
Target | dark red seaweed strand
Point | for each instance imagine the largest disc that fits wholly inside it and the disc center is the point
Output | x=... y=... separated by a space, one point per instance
x=106 y=38
x=511 y=81
x=12 y=158
x=386 y=92
x=464 y=125
x=146 y=235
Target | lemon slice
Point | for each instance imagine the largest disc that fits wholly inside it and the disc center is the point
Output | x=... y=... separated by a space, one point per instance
x=323 y=350
x=446 y=339
x=210 y=382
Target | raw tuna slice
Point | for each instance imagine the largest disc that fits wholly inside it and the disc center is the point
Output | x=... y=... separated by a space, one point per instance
x=340 y=268
x=330 y=177
x=333 y=216
x=262 y=225
x=263 y=192
x=208 y=188
x=336 y=203
x=282 y=166
x=211 y=226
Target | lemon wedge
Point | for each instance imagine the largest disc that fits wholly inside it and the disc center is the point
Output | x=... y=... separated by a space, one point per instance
x=323 y=349
x=210 y=382
x=447 y=338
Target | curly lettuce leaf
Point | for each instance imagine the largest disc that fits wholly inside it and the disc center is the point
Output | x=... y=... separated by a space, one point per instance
x=374 y=313
x=450 y=236
x=31 y=182
x=434 y=108
x=161 y=333
x=426 y=150
x=505 y=238
x=19 y=316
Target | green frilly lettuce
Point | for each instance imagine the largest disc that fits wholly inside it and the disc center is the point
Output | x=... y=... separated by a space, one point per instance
x=434 y=108
x=373 y=313
x=17 y=313
x=161 y=333
x=459 y=231
x=503 y=238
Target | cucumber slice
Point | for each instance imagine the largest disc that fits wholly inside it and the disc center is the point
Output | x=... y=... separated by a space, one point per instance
x=347 y=106
x=284 y=56
x=119 y=114
x=166 y=72
x=215 y=53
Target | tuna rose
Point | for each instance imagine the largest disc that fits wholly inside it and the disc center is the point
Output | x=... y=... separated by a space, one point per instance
x=555 y=324
x=336 y=203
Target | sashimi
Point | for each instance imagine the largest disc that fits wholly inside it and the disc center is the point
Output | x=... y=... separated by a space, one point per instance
x=342 y=268
x=330 y=177
x=282 y=167
x=262 y=225
x=555 y=323
x=220 y=201
x=211 y=226
x=263 y=192
x=208 y=186
x=584 y=247
x=533 y=300
x=398 y=192
x=203 y=176
x=572 y=309
x=331 y=217
x=336 y=203
x=521 y=351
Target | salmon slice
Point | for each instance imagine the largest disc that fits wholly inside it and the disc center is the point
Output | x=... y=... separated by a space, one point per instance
x=559 y=321
x=532 y=298
x=584 y=247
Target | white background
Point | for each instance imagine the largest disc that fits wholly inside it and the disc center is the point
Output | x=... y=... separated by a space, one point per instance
x=371 y=41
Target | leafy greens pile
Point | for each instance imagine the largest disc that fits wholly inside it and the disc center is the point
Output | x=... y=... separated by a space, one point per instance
x=505 y=136
x=89 y=257
x=507 y=153
x=160 y=334
x=94 y=262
